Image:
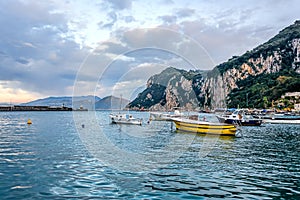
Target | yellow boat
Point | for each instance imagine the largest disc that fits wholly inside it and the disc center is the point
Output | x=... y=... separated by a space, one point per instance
x=204 y=127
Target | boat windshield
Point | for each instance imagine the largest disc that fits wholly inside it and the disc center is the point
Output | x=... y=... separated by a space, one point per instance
x=241 y=112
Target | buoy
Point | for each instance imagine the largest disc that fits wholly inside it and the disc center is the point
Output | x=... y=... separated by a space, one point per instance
x=29 y=121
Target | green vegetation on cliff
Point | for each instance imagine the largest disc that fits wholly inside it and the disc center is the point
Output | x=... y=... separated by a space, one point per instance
x=261 y=75
x=259 y=91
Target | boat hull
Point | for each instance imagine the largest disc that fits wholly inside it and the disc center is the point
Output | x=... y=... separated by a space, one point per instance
x=126 y=122
x=246 y=122
x=205 y=127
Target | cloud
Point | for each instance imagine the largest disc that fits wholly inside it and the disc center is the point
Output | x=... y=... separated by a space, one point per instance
x=10 y=92
x=218 y=42
x=168 y=19
x=167 y=2
x=112 y=46
x=37 y=56
x=129 y=19
x=165 y=42
x=112 y=18
x=185 y=12
x=22 y=61
x=44 y=43
x=28 y=44
x=121 y=4
x=135 y=55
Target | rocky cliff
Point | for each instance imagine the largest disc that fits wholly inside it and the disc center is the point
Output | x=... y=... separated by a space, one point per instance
x=171 y=88
x=229 y=83
x=279 y=56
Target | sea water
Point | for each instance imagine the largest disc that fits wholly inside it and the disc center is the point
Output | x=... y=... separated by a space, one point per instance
x=80 y=155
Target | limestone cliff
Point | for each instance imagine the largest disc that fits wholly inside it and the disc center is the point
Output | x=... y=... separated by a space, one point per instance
x=171 y=88
x=280 y=55
x=255 y=74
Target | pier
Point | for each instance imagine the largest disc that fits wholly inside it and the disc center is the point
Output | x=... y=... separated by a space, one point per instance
x=34 y=108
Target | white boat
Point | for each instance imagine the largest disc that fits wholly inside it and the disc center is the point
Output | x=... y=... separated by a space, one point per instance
x=160 y=116
x=281 y=121
x=124 y=119
x=239 y=117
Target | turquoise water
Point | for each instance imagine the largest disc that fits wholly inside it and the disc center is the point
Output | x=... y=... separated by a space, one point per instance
x=61 y=156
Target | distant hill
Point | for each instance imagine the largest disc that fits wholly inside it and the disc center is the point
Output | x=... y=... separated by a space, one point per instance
x=111 y=102
x=6 y=104
x=90 y=102
x=75 y=102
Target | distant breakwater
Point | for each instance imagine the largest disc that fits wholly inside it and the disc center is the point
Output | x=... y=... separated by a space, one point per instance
x=34 y=108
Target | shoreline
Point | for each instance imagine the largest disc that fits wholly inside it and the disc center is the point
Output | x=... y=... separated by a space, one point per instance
x=33 y=108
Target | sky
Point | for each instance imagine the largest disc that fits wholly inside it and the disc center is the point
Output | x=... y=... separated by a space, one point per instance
x=112 y=47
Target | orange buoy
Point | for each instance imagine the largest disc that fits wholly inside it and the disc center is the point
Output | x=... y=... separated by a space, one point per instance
x=29 y=121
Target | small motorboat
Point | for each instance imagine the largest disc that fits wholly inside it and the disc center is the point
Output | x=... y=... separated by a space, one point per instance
x=279 y=118
x=161 y=116
x=282 y=119
x=240 y=118
x=124 y=119
x=204 y=127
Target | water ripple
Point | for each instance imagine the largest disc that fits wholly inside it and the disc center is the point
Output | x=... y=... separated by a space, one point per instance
x=47 y=160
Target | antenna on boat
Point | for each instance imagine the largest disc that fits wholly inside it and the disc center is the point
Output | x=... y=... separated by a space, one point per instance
x=120 y=102
x=10 y=105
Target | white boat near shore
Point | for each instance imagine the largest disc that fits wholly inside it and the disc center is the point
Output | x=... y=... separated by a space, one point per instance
x=124 y=119
x=239 y=117
x=161 y=116
x=281 y=121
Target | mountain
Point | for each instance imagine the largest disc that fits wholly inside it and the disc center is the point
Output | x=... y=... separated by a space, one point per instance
x=262 y=75
x=90 y=102
x=75 y=102
x=5 y=104
x=171 y=88
x=111 y=102
x=255 y=79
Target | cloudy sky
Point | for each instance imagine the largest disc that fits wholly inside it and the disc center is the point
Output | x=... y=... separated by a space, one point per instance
x=77 y=47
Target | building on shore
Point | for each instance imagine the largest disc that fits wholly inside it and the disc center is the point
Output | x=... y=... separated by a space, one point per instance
x=297 y=106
